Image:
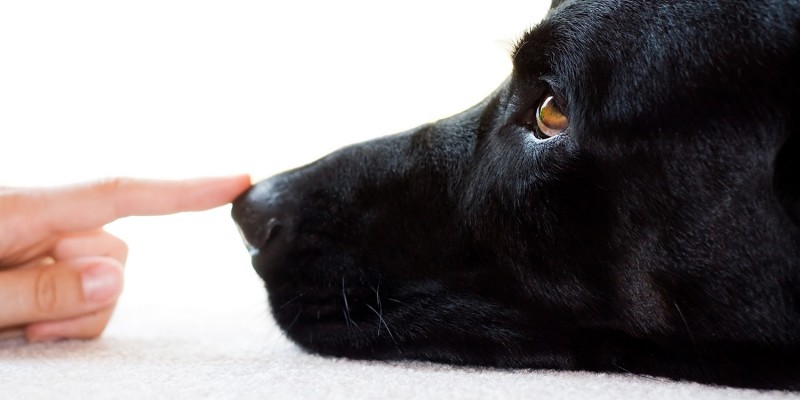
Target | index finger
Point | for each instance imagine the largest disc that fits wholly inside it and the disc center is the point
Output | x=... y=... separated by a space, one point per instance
x=92 y=205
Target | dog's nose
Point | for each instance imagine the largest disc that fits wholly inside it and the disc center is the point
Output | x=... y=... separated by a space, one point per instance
x=255 y=242
x=261 y=216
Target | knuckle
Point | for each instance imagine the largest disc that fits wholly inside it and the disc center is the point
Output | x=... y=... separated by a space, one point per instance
x=113 y=183
x=47 y=293
x=115 y=247
x=113 y=189
x=120 y=247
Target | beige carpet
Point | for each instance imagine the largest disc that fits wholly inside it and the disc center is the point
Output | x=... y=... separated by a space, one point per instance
x=193 y=323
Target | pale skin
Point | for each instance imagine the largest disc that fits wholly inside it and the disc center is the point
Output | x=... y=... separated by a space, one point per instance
x=60 y=273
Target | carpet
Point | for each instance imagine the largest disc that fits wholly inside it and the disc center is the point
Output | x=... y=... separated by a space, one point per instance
x=193 y=323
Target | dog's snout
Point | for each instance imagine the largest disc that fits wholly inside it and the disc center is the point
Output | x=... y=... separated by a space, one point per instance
x=261 y=215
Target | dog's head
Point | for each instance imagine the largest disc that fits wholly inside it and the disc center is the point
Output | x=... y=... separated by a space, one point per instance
x=628 y=200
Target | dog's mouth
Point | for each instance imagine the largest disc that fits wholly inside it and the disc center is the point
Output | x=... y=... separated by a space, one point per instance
x=325 y=290
x=318 y=301
x=311 y=275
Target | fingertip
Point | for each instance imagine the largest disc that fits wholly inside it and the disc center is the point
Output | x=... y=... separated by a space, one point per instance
x=242 y=177
x=229 y=187
x=247 y=179
x=86 y=327
x=42 y=333
x=240 y=181
x=246 y=182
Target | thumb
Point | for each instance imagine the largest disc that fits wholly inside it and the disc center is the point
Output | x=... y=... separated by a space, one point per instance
x=64 y=289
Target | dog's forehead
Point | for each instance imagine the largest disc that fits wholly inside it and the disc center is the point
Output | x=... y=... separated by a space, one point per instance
x=638 y=50
x=656 y=33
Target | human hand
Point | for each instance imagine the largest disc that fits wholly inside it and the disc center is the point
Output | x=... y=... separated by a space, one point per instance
x=60 y=272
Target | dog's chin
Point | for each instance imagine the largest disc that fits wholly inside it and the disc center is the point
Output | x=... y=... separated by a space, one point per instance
x=324 y=326
x=331 y=304
x=322 y=301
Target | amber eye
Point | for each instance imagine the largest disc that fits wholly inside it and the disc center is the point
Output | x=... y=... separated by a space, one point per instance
x=550 y=120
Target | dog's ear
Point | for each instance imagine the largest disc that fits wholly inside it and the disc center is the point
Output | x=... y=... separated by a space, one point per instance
x=556 y=3
x=787 y=165
x=786 y=180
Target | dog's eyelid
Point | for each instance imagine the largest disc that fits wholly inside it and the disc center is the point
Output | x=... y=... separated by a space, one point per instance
x=550 y=81
x=554 y=87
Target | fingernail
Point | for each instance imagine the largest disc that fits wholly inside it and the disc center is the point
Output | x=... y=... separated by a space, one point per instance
x=101 y=282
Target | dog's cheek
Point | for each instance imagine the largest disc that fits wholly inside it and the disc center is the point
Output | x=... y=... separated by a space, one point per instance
x=543 y=212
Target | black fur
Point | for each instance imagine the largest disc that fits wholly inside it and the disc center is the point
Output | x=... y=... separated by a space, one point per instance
x=660 y=235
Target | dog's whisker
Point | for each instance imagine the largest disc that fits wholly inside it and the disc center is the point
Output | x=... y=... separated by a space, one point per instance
x=378 y=300
x=623 y=369
x=348 y=319
x=352 y=321
x=378 y=333
x=377 y=290
x=294 y=321
x=292 y=300
x=691 y=338
x=344 y=296
x=382 y=321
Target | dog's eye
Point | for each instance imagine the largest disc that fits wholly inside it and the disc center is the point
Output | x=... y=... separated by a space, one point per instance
x=549 y=118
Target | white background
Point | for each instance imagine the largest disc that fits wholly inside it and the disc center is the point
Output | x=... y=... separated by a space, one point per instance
x=172 y=89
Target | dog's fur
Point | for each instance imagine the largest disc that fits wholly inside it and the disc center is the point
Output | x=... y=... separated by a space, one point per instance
x=660 y=234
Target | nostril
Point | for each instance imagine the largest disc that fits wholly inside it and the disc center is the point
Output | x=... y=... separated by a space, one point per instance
x=261 y=215
x=261 y=238
x=273 y=227
x=253 y=250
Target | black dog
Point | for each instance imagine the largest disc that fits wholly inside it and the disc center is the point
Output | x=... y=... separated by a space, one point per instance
x=628 y=200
